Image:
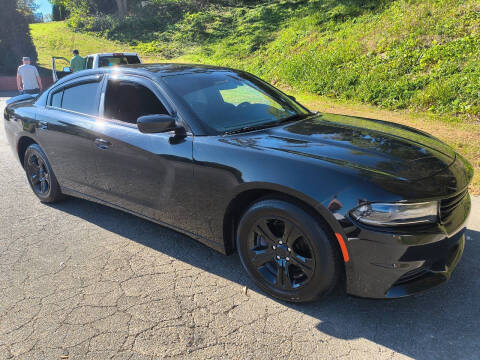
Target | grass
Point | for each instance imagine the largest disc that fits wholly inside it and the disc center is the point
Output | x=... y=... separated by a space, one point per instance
x=461 y=132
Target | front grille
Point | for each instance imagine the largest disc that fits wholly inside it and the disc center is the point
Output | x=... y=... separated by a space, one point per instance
x=447 y=206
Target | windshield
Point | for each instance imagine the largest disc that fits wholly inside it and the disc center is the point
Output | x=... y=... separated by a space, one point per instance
x=226 y=101
x=105 y=61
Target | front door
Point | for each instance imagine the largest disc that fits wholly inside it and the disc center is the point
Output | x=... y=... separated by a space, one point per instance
x=145 y=173
x=60 y=67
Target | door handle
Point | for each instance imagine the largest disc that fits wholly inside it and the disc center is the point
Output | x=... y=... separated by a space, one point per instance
x=102 y=144
x=43 y=125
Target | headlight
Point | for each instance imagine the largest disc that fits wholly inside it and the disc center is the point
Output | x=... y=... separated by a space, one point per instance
x=395 y=214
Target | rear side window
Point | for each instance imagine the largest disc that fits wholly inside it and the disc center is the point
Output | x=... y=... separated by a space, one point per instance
x=81 y=98
x=127 y=101
x=132 y=59
x=105 y=61
x=56 y=100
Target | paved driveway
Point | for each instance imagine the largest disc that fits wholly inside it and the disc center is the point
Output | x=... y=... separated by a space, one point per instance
x=90 y=282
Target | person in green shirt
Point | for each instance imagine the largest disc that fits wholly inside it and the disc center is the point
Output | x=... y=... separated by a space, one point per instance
x=77 y=63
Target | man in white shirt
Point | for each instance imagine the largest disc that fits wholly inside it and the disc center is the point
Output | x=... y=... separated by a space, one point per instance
x=28 y=79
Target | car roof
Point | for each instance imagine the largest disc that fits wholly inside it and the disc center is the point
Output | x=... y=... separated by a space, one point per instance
x=167 y=69
x=149 y=70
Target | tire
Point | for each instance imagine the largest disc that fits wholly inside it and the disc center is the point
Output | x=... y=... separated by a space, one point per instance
x=40 y=175
x=297 y=261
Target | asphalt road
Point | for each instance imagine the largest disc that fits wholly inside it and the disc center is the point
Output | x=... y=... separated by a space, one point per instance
x=90 y=282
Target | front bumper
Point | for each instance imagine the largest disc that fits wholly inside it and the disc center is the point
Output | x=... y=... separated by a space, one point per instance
x=432 y=273
x=389 y=264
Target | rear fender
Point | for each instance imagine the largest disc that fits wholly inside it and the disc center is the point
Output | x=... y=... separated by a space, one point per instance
x=22 y=97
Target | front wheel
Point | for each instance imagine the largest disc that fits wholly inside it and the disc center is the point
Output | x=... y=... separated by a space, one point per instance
x=287 y=251
x=40 y=175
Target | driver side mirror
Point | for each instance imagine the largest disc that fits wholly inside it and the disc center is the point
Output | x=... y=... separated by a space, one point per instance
x=158 y=123
x=67 y=69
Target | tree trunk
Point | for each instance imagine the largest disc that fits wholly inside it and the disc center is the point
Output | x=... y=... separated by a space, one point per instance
x=121 y=7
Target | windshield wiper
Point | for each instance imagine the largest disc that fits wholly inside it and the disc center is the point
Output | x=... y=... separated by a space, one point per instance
x=248 y=128
x=295 y=117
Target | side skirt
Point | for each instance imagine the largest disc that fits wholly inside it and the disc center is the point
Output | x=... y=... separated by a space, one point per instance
x=212 y=244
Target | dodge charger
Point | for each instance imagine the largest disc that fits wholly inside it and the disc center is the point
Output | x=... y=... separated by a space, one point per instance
x=310 y=201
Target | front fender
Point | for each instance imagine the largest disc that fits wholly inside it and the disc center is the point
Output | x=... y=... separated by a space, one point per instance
x=224 y=169
x=291 y=192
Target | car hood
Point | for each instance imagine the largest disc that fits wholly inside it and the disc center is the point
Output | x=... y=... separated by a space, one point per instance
x=370 y=145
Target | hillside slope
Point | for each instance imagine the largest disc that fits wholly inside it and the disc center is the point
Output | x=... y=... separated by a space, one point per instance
x=418 y=54
x=397 y=54
x=422 y=54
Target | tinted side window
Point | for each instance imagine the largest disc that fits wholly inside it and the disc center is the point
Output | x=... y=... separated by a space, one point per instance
x=56 y=99
x=89 y=62
x=133 y=59
x=127 y=101
x=113 y=60
x=81 y=98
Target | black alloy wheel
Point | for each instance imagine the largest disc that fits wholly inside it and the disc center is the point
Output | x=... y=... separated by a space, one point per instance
x=40 y=175
x=287 y=251
x=281 y=253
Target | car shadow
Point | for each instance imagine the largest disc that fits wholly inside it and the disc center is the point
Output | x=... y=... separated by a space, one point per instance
x=442 y=323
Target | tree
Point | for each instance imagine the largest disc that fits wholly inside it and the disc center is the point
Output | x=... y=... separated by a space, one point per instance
x=15 y=40
x=62 y=8
x=27 y=8
x=59 y=11
x=122 y=7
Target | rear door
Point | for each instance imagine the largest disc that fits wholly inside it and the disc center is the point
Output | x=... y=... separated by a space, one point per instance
x=146 y=173
x=65 y=130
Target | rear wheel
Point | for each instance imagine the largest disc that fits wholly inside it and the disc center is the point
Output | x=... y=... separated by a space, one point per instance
x=40 y=175
x=287 y=251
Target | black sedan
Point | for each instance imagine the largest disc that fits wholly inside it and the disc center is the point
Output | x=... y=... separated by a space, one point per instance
x=310 y=201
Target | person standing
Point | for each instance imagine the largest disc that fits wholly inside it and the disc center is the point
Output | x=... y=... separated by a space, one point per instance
x=28 y=79
x=77 y=63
